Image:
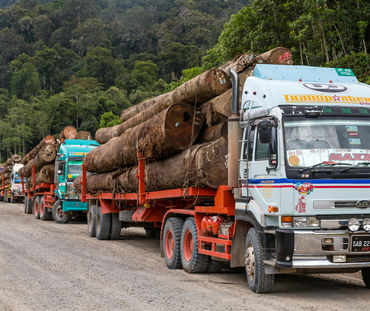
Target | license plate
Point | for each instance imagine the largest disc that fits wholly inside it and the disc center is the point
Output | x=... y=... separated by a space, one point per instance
x=361 y=243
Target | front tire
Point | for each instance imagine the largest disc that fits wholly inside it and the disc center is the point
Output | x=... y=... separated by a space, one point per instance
x=258 y=280
x=171 y=242
x=58 y=215
x=191 y=260
x=366 y=276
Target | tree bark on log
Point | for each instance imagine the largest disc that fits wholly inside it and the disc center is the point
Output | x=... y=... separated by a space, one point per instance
x=199 y=166
x=84 y=135
x=16 y=158
x=26 y=171
x=46 y=174
x=213 y=133
x=199 y=89
x=170 y=131
x=69 y=132
x=45 y=155
x=29 y=156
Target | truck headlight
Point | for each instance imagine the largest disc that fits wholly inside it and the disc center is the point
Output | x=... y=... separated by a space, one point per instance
x=366 y=224
x=300 y=222
x=353 y=224
x=303 y=222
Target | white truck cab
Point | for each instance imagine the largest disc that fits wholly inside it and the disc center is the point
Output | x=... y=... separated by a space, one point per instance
x=304 y=174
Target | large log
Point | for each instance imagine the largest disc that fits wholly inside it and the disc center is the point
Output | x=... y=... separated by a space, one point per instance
x=16 y=158
x=172 y=130
x=26 y=171
x=199 y=166
x=29 y=156
x=197 y=90
x=45 y=155
x=84 y=135
x=46 y=174
x=212 y=133
x=69 y=132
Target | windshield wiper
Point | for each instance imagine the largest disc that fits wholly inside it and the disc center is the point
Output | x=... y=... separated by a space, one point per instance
x=359 y=164
x=330 y=163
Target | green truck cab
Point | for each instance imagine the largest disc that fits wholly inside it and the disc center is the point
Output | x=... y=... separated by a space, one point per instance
x=68 y=166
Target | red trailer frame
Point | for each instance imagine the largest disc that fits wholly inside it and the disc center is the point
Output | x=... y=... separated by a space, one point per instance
x=210 y=208
x=43 y=189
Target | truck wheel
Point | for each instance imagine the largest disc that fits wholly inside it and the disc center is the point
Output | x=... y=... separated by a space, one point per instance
x=44 y=211
x=36 y=209
x=115 y=232
x=258 y=280
x=171 y=239
x=29 y=206
x=103 y=224
x=6 y=197
x=191 y=260
x=12 y=199
x=58 y=215
x=91 y=220
x=366 y=276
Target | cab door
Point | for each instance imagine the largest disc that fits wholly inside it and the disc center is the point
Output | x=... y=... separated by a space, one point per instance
x=262 y=183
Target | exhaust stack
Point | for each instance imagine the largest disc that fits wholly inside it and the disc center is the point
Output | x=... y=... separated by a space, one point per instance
x=233 y=133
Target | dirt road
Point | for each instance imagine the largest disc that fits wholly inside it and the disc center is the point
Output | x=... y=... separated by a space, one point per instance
x=46 y=266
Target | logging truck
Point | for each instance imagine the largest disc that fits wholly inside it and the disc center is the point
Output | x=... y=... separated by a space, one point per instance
x=298 y=192
x=59 y=200
x=14 y=192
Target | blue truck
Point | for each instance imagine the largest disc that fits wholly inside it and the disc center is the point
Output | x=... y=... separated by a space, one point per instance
x=60 y=201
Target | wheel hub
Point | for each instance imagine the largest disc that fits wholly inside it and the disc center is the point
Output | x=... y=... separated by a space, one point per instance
x=249 y=261
x=188 y=245
x=169 y=244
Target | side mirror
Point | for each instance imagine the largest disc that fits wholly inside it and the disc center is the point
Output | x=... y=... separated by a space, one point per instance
x=265 y=131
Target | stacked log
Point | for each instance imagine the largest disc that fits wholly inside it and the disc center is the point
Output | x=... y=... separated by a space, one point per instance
x=7 y=170
x=203 y=87
x=194 y=156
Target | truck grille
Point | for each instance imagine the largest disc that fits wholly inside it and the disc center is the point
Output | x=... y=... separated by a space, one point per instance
x=345 y=204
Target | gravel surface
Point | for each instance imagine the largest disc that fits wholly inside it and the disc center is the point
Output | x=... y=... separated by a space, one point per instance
x=47 y=266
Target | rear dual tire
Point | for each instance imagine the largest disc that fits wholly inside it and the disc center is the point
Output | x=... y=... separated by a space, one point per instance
x=45 y=213
x=108 y=226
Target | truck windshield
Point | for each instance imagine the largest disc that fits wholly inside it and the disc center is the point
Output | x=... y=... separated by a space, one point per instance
x=340 y=142
x=74 y=168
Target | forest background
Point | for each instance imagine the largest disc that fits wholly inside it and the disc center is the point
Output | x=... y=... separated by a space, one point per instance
x=80 y=62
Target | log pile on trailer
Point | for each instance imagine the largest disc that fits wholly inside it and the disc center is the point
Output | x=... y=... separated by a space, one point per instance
x=181 y=134
x=41 y=158
x=7 y=169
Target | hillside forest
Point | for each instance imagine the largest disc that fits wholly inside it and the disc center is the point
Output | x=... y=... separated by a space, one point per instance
x=80 y=62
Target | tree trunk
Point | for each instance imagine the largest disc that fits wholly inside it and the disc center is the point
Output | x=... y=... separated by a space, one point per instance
x=47 y=140
x=26 y=171
x=167 y=132
x=16 y=158
x=213 y=133
x=199 y=166
x=46 y=174
x=46 y=155
x=69 y=132
x=197 y=90
x=84 y=135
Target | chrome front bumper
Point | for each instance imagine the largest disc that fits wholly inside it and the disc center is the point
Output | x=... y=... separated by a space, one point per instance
x=307 y=251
